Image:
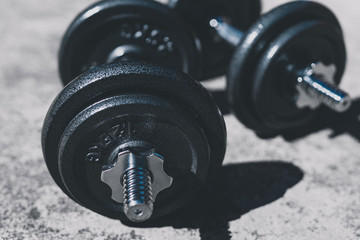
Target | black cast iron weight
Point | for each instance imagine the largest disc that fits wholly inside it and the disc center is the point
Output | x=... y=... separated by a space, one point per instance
x=286 y=66
x=131 y=140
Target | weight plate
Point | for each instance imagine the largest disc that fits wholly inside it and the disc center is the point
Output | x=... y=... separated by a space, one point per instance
x=126 y=78
x=274 y=89
x=216 y=53
x=240 y=77
x=144 y=30
x=137 y=121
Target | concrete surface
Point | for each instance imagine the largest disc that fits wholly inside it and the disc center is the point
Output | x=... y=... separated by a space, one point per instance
x=307 y=188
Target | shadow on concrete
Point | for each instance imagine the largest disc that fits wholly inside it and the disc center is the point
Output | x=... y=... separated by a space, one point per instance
x=340 y=123
x=239 y=189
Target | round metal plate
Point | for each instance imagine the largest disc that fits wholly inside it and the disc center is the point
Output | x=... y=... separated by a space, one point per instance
x=106 y=28
x=132 y=78
x=242 y=69
x=274 y=89
x=216 y=53
x=137 y=121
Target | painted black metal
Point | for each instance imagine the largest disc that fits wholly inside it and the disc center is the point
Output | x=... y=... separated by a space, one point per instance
x=216 y=53
x=248 y=69
x=274 y=89
x=106 y=25
x=166 y=109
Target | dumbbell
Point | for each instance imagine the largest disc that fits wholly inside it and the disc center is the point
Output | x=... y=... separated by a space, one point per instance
x=285 y=67
x=215 y=54
x=132 y=139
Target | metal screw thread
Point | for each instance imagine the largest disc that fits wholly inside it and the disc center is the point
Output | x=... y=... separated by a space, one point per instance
x=327 y=93
x=138 y=200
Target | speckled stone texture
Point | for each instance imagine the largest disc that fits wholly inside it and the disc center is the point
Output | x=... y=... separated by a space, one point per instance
x=306 y=188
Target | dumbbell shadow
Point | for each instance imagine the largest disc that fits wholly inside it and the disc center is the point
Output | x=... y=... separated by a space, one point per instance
x=348 y=122
x=239 y=189
x=340 y=123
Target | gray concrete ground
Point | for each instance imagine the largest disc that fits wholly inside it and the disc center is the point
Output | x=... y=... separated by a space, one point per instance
x=308 y=188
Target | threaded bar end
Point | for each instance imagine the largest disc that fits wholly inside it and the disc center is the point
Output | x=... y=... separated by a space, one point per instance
x=327 y=93
x=138 y=200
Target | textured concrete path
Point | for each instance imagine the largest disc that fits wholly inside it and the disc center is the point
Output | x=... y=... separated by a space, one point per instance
x=307 y=188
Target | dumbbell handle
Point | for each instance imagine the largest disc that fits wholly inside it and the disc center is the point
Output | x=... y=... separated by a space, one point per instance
x=318 y=89
x=125 y=53
x=227 y=32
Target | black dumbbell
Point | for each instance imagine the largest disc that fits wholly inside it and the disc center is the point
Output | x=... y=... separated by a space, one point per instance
x=113 y=31
x=131 y=140
x=285 y=67
x=215 y=53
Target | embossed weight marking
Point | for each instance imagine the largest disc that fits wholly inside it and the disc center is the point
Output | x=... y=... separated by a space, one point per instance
x=131 y=140
x=109 y=137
